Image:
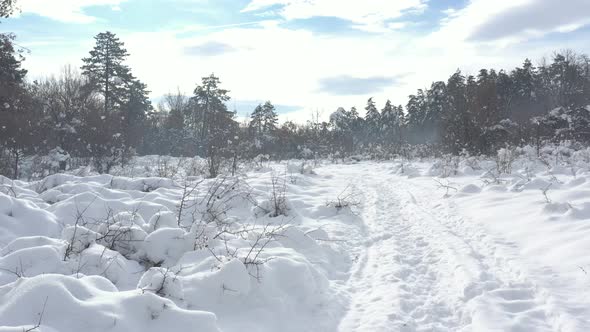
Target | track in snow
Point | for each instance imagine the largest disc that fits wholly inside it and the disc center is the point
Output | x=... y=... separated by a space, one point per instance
x=425 y=269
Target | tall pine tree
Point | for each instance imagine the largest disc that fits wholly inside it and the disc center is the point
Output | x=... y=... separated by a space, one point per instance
x=122 y=92
x=107 y=72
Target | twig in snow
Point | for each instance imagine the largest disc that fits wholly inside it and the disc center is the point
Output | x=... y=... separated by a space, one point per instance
x=40 y=317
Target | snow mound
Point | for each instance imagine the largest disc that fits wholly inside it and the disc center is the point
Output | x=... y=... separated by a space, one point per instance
x=556 y=208
x=581 y=211
x=92 y=304
x=166 y=245
x=470 y=189
x=19 y=217
x=147 y=254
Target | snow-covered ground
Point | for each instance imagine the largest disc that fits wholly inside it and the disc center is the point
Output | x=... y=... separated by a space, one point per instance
x=432 y=245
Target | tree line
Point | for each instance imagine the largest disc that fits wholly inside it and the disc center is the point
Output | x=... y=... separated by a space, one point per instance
x=101 y=114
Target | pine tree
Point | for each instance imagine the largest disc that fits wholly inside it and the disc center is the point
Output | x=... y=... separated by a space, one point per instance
x=505 y=90
x=270 y=118
x=107 y=72
x=416 y=116
x=528 y=95
x=125 y=102
x=263 y=125
x=437 y=105
x=356 y=122
x=456 y=118
x=388 y=122
x=372 y=121
x=399 y=122
x=209 y=111
x=212 y=121
x=256 y=121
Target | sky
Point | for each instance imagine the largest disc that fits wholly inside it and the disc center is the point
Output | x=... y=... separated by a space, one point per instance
x=306 y=56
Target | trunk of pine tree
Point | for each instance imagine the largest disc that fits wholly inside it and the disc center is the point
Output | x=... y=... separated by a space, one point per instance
x=106 y=82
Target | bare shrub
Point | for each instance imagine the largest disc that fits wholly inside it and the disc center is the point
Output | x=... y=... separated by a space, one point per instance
x=452 y=164
x=163 y=282
x=110 y=231
x=278 y=196
x=216 y=201
x=472 y=162
x=189 y=191
x=259 y=236
x=18 y=271
x=492 y=176
x=70 y=248
x=447 y=165
x=41 y=313
x=264 y=236
x=447 y=186
x=545 y=192
x=348 y=198
x=166 y=167
x=195 y=167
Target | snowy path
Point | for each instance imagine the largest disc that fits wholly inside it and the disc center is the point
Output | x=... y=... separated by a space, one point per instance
x=425 y=268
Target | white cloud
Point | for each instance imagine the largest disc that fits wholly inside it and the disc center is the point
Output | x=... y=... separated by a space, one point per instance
x=511 y=21
x=71 y=11
x=368 y=15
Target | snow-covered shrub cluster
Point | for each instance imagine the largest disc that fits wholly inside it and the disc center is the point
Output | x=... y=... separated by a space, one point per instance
x=151 y=253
